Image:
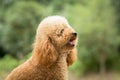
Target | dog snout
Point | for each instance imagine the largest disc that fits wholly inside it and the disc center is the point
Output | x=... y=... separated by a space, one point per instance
x=75 y=34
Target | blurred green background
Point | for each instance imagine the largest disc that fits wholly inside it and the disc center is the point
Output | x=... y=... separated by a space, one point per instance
x=97 y=23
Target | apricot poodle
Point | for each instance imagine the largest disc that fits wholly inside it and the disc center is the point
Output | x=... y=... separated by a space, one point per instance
x=54 y=50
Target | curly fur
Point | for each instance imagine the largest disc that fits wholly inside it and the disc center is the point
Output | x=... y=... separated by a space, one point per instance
x=54 y=50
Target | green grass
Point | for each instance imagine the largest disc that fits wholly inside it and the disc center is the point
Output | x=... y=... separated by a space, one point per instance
x=6 y=65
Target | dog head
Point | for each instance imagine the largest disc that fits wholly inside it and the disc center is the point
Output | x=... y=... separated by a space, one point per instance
x=59 y=32
x=54 y=34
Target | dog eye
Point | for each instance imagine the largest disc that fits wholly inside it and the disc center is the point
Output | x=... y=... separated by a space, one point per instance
x=61 y=31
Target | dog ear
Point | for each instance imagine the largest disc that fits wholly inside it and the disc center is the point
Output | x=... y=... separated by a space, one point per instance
x=45 y=52
x=72 y=57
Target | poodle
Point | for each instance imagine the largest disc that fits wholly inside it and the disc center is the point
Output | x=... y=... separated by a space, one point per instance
x=54 y=50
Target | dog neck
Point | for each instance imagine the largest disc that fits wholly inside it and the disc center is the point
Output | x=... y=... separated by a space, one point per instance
x=62 y=57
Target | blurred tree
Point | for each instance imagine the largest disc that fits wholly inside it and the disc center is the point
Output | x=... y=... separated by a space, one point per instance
x=116 y=4
x=21 y=23
x=4 y=6
x=105 y=18
x=98 y=39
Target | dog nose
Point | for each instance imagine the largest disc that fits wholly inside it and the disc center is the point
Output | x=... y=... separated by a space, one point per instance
x=75 y=34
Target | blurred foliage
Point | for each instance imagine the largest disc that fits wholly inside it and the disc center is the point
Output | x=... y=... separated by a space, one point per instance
x=21 y=23
x=116 y=4
x=6 y=65
x=96 y=21
x=11 y=63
